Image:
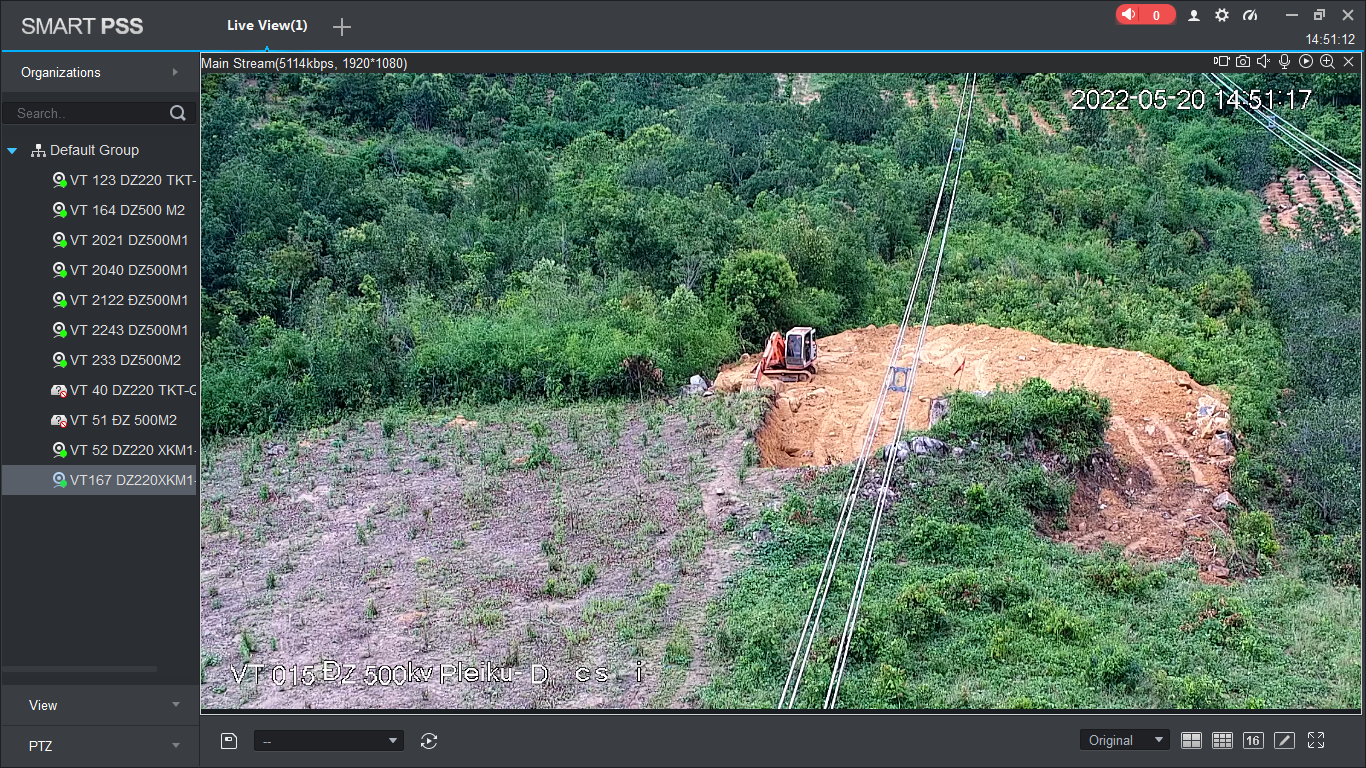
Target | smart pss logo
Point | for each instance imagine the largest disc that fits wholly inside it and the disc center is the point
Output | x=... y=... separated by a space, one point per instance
x=81 y=25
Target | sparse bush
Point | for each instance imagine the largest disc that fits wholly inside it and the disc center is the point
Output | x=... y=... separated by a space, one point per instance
x=1071 y=422
x=678 y=649
x=1255 y=533
x=657 y=599
x=1115 y=574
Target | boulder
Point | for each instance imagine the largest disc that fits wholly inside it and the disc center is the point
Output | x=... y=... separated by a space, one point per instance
x=897 y=451
x=939 y=408
x=958 y=452
x=925 y=446
x=1221 y=445
x=1224 y=501
x=695 y=386
x=763 y=534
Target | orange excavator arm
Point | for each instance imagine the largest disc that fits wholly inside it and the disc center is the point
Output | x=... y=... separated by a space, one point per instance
x=773 y=356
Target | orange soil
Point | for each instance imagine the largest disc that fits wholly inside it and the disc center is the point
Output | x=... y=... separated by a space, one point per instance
x=1155 y=501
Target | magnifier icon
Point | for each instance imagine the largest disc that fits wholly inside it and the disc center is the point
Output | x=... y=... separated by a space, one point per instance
x=58 y=480
x=1327 y=61
x=177 y=112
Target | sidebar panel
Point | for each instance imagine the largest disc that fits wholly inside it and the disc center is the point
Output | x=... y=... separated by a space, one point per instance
x=99 y=397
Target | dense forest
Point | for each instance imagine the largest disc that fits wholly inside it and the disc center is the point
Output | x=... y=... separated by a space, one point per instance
x=406 y=240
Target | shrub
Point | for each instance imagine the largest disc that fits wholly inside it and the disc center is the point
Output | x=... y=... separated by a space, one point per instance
x=1115 y=574
x=938 y=541
x=1255 y=533
x=917 y=611
x=1116 y=668
x=1071 y=422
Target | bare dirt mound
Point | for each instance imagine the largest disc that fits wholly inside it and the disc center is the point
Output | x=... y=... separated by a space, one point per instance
x=1156 y=504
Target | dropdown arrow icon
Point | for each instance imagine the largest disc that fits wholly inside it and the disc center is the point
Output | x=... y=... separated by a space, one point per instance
x=175 y=703
x=175 y=744
x=1159 y=738
x=393 y=739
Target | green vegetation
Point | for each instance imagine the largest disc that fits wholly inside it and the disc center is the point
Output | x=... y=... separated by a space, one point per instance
x=967 y=607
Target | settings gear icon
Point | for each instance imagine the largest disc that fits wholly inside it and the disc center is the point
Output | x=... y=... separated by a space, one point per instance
x=1221 y=14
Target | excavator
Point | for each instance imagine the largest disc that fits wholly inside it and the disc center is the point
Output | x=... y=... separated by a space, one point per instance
x=788 y=357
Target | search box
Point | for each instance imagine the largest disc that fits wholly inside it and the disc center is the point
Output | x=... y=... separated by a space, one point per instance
x=102 y=112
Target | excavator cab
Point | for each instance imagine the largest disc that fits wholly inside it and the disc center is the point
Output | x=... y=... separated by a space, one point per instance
x=800 y=351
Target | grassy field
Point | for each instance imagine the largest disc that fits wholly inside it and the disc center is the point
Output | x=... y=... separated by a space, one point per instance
x=590 y=536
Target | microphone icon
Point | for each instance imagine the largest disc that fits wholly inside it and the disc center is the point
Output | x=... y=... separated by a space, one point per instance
x=1285 y=61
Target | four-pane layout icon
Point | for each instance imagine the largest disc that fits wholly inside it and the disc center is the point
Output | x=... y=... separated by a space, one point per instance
x=1191 y=740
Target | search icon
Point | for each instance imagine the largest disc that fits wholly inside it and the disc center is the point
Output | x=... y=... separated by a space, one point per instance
x=177 y=112
x=1327 y=61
